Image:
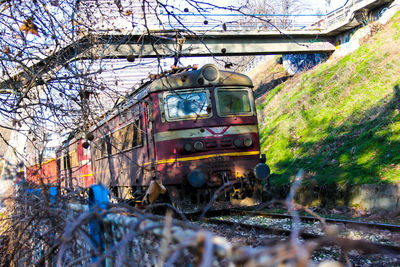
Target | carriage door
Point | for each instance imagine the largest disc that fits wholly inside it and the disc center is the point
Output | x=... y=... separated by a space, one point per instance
x=149 y=131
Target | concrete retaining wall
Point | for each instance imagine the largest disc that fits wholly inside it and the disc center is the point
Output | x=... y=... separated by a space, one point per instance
x=369 y=197
x=376 y=197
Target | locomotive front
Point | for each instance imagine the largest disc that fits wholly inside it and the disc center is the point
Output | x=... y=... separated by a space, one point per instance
x=206 y=137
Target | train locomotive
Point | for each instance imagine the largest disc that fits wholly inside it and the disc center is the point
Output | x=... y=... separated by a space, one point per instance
x=178 y=138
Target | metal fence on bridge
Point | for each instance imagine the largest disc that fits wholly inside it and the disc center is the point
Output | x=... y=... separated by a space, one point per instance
x=236 y=21
x=243 y=22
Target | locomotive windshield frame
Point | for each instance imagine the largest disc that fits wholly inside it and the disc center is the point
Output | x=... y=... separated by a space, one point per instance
x=187 y=104
x=234 y=101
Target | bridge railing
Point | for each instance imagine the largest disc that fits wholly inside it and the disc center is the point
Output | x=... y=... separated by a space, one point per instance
x=241 y=22
x=263 y=22
x=220 y=19
x=139 y=239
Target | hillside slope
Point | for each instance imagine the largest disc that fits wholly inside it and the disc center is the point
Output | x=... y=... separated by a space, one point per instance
x=339 y=122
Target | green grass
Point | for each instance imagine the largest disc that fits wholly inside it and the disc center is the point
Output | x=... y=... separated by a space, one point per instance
x=340 y=122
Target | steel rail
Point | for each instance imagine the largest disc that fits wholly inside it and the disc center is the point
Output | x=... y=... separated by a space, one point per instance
x=382 y=226
x=260 y=228
x=231 y=212
x=365 y=246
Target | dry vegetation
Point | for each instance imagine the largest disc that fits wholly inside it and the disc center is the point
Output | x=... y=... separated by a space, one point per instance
x=40 y=230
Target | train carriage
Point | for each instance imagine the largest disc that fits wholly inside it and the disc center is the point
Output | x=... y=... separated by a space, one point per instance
x=44 y=173
x=188 y=133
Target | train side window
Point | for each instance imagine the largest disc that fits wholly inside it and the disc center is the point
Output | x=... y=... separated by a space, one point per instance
x=103 y=148
x=137 y=140
x=129 y=115
x=65 y=158
x=73 y=156
x=127 y=137
x=97 y=148
x=108 y=145
x=117 y=140
x=62 y=164
x=67 y=162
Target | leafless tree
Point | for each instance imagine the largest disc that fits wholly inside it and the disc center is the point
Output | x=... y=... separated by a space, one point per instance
x=46 y=84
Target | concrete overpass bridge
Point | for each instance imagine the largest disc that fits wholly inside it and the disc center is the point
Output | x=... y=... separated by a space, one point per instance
x=236 y=34
x=212 y=34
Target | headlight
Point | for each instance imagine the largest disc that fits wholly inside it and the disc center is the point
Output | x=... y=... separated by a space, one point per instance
x=238 y=142
x=187 y=147
x=248 y=141
x=85 y=144
x=198 y=145
x=90 y=136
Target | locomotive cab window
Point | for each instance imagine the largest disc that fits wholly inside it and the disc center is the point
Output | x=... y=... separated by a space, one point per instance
x=234 y=102
x=188 y=104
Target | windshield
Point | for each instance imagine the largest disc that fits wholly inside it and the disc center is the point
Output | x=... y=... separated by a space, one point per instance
x=233 y=102
x=186 y=104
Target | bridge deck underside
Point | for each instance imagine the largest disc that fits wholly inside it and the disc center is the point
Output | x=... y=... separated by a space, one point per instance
x=217 y=45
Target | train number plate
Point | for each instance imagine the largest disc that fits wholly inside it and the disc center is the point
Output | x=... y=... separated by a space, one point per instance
x=219 y=159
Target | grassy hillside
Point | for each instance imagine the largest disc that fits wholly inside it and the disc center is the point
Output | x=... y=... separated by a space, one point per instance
x=339 y=122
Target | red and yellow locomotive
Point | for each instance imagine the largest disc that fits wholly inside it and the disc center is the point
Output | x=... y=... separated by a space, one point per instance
x=184 y=134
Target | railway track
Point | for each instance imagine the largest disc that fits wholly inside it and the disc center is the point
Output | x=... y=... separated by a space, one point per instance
x=368 y=247
x=310 y=219
x=365 y=246
x=347 y=223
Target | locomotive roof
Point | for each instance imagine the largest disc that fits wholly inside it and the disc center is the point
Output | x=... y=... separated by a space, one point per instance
x=182 y=80
x=197 y=78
